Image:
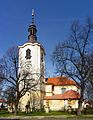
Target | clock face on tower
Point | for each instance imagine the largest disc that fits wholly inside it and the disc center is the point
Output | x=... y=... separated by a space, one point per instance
x=28 y=66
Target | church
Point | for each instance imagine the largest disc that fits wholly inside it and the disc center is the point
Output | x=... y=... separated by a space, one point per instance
x=57 y=93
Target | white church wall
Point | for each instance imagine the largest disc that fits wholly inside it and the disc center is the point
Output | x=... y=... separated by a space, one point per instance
x=36 y=69
x=58 y=89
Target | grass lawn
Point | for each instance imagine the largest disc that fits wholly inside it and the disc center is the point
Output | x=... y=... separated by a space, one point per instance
x=4 y=113
x=44 y=114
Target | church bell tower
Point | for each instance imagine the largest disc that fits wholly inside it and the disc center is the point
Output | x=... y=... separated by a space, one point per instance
x=32 y=59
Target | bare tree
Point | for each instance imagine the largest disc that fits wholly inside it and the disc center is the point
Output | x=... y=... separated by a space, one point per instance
x=89 y=83
x=9 y=96
x=90 y=64
x=1 y=84
x=88 y=91
x=70 y=56
x=0 y=89
x=10 y=73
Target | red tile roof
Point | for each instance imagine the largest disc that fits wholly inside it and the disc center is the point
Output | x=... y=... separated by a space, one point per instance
x=60 y=81
x=2 y=100
x=70 y=94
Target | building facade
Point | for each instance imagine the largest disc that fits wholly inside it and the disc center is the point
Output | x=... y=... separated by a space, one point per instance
x=61 y=93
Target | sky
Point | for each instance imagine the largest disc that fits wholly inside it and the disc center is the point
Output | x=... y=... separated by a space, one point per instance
x=52 y=18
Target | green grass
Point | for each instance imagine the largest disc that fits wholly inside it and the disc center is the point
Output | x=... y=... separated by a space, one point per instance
x=43 y=113
x=5 y=113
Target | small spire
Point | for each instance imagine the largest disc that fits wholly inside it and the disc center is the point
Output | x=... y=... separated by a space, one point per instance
x=32 y=15
x=32 y=30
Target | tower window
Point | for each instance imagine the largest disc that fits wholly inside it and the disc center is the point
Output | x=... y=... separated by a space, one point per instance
x=28 y=54
x=31 y=32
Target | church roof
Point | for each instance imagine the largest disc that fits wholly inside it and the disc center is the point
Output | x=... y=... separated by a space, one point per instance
x=60 y=81
x=70 y=94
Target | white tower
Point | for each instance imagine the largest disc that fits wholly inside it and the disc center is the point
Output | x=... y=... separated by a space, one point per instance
x=32 y=59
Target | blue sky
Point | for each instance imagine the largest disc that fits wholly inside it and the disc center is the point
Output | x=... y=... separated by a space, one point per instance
x=52 y=18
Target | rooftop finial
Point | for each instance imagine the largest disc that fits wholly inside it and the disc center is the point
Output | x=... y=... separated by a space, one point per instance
x=32 y=15
x=32 y=12
x=32 y=30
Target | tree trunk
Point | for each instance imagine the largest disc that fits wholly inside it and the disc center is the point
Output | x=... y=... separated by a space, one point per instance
x=79 y=108
x=16 y=108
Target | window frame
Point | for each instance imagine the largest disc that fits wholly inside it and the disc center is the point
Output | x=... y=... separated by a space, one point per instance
x=28 y=54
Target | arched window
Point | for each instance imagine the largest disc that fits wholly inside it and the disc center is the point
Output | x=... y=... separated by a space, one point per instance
x=31 y=32
x=28 y=54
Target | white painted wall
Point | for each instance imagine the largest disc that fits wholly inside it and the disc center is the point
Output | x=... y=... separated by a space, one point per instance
x=35 y=67
x=35 y=59
x=57 y=89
